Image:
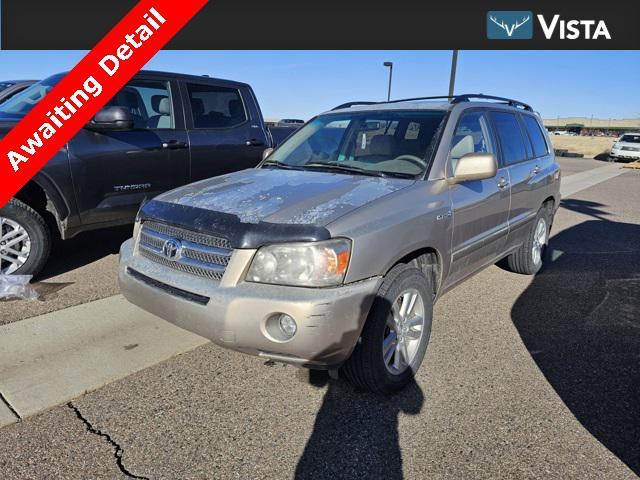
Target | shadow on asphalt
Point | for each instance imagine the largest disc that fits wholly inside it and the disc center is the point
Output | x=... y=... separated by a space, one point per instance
x=355 y=433
x=86 y=248
x=580 y=321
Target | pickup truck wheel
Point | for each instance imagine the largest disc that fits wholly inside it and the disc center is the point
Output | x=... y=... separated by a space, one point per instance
x=395 y=337
x=25 y=241
x=529 y=257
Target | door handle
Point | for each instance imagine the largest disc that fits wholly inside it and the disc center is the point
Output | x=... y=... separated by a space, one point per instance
x=536 y=170
x=503 y=183
x=254 y=143
x=174 y=145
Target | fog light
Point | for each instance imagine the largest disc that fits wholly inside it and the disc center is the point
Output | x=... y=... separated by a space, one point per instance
x=288 y=325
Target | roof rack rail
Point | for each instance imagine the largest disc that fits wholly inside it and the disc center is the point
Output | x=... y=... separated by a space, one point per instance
x=453 y=99
x=352 y=104
x=509 y=101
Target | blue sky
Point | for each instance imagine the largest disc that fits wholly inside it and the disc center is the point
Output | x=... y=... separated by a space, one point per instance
x=302 y=83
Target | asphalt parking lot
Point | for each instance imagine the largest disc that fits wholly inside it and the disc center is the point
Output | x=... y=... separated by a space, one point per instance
x=524 y=378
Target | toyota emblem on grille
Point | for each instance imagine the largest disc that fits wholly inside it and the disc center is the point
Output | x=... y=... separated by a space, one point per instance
x=171 y=249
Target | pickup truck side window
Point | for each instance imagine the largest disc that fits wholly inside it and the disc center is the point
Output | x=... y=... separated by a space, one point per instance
x=540 y=148
x=216 y=107
x=471 y=136
x=149 y=103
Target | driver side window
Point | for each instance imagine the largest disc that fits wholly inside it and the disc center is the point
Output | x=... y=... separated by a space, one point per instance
x=149 y=103
x=471 y=136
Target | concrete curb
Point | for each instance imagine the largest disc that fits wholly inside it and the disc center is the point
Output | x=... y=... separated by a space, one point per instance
x=53 y=358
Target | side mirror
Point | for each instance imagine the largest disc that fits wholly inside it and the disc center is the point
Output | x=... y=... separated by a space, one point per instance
x=266 y=153
x=113 y=119
x=474 y=166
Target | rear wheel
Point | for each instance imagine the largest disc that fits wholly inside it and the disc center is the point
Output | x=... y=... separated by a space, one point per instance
x=529 y=257
x=25 y=241
x=395 y=337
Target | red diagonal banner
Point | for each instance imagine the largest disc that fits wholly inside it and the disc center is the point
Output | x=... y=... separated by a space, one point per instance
x=88 y=87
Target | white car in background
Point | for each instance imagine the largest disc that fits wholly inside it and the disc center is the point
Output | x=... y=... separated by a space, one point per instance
x=627 y=147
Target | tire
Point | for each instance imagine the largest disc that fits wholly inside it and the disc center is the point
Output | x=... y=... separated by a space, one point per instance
x=366 y=369
x=524 y=260
x=18 y=218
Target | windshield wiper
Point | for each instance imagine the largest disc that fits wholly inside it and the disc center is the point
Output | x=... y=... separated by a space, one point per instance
x=359 y=170
x=335 y=166
x=275 y=163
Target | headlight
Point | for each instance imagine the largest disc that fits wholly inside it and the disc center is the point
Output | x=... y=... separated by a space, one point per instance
x=615 y=146
x=318 y=264
x=136 y=230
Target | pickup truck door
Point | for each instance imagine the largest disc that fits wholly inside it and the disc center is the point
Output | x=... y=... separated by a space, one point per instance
x=225 y=128
x=114 y=171
x=480 y=207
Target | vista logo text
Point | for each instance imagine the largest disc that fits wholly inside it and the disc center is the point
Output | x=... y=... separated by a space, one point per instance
x=518 y=25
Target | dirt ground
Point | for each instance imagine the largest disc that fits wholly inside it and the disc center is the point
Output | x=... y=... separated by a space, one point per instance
x=588 y=146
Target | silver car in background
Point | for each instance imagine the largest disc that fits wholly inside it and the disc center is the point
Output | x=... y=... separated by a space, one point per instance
x=333 y=251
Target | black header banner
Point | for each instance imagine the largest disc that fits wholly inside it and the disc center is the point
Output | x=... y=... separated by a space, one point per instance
x=340 y=24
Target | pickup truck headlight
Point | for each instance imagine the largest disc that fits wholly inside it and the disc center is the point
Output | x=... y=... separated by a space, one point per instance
x=318 y=264
x=136 y=228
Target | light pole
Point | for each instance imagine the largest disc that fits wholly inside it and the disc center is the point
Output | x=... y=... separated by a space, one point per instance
x=390 y=65
x=452 y=78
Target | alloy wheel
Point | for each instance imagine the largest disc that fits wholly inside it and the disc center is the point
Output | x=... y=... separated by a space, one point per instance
x=403 y=332
x=539 y=241
x=15 y=246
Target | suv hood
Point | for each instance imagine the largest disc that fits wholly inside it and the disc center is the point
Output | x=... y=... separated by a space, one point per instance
x=284 y=196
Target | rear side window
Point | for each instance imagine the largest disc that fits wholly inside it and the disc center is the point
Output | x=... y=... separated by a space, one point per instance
x=509 y=136
x=215 y=107
x=537 y=138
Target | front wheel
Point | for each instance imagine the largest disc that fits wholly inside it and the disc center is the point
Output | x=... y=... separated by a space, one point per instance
x=25 y=241
x=395 y=337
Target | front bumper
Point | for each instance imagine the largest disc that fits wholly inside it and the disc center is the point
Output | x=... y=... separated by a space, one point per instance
x=625 y=154
x=234 y=313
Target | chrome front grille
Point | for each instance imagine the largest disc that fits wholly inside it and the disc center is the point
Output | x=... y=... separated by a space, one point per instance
x=631 y=149
x=196 y=253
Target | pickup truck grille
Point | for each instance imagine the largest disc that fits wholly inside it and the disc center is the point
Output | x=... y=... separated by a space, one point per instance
x=191 y=252
x=631 y=149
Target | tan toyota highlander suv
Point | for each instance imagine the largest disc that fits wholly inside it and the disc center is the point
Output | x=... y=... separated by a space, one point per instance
x=331 y=253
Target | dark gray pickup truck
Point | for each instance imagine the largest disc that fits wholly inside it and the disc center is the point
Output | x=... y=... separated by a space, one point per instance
x=161 y=131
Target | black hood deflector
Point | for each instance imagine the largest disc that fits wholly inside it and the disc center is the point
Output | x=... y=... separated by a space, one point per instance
x=240 y=235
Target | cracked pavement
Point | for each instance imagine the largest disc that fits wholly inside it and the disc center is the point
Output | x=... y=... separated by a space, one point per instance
x=118 y=452
x=524 y=378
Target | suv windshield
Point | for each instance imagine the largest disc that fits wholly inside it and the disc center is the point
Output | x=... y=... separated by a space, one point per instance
x=630 y=138
x=394 y=143
x=22 y=103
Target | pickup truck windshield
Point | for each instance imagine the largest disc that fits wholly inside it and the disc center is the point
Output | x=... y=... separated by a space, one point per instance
x=22 y=103
x=394 y=143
